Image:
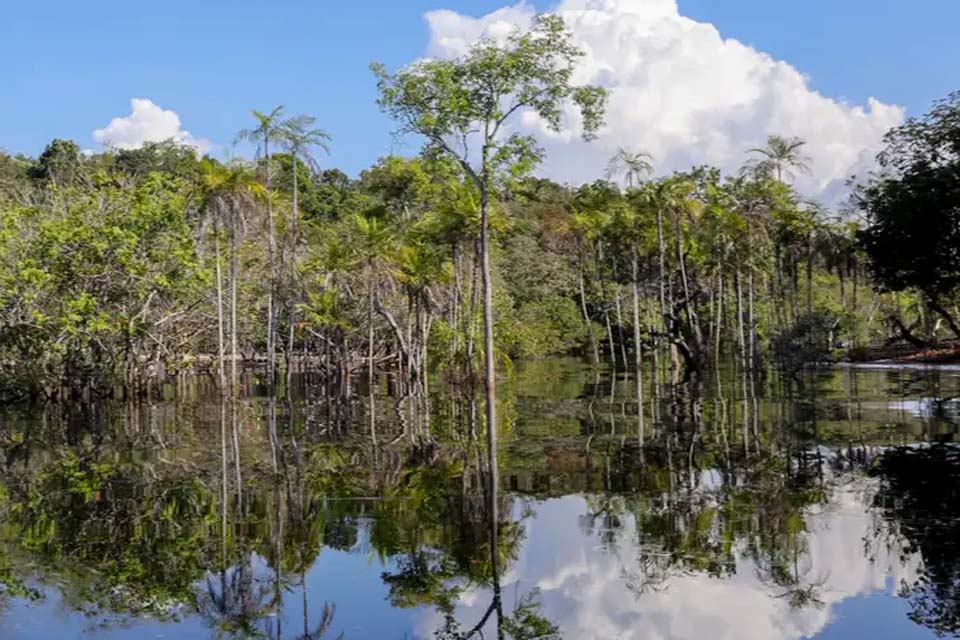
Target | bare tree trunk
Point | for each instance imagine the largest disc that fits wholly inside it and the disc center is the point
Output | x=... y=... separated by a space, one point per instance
x=490 y=374
x=271 y=259
x=692 y=319
x=233 y=306
x=743 y=364
x=752 y=325
x=457 y=299
x=474 y=298
x=221 y=349
x=618 y=308
x=719 y=321
x=637 y=349
x=623 y=340
x=291 y=303
x=613 y=348
x=586 y=318
x=661 y=275
x=236 y=453
x=370 y=368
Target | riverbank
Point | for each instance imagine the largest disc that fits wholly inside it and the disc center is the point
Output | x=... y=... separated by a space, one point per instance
x=944 y=353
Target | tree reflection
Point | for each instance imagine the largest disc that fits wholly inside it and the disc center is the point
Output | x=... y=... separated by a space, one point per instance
x=920 y=496
x=235 y=604
x=235 y=533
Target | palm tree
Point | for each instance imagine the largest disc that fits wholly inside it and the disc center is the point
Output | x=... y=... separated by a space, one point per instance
x=590 y=225
x=269 y=127
x=673 y=197
x=634 y=224
x=418 y=268
x=779 y=158
x=632 y=165
x=375 y=242
x=299 y=136
x=228 y=190
x=649 y=198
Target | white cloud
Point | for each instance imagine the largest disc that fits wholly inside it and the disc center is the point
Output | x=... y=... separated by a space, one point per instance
x=683 y=93
x=147 y=122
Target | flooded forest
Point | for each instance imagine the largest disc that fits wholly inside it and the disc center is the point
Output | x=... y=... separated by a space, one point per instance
x=447 y=398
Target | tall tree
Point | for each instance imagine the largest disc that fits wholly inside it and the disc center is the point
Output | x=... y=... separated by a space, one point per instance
x=60 y=163
x=300 y=137
x=228 y=190
x=452 y=103
x=269 y=128
x=913 y=207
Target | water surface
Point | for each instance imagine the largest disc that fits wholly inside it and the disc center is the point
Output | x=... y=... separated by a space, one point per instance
x=744 y=509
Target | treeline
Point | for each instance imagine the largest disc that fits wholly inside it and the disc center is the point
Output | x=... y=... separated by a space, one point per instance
x=126 y=265
x=143 y=261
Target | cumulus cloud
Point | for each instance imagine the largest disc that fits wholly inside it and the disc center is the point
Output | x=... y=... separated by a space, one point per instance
x=682 y=92
x=147 y=122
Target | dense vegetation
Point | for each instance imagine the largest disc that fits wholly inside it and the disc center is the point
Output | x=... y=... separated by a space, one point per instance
x=127 y=265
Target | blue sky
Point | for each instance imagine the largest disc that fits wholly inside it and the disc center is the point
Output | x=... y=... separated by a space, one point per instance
x=72 y=66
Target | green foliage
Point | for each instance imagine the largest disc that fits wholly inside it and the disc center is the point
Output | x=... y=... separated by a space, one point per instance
x=106 y=260
x=159 y=157
x=914 y=210
x=81 y=282
x=550 y=325
x=59 y=163
x=446 y=101
x=808 y=341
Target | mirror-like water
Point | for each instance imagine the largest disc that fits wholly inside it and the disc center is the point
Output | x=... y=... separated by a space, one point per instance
x=829 y=509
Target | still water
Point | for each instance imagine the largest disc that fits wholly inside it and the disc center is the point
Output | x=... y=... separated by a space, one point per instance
x=735 y=509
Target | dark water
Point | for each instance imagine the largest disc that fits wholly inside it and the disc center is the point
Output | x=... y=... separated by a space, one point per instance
x=829 y=509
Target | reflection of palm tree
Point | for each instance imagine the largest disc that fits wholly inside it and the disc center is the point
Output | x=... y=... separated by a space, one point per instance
x=606 y=511
x=326 y=616
x=804 y=596
x=234 y=607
